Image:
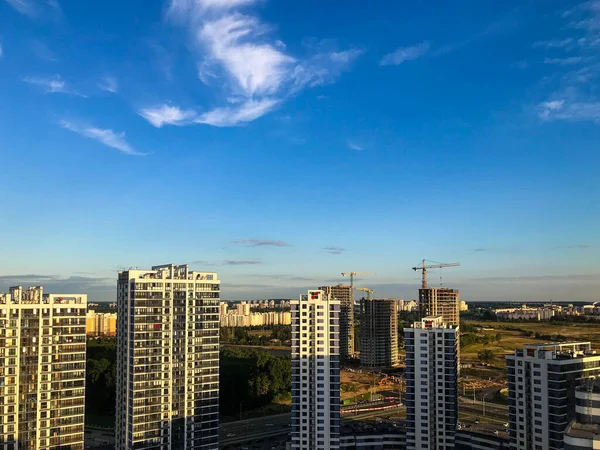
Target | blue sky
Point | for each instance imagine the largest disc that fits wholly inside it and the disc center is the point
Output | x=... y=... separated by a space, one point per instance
x=283 y=142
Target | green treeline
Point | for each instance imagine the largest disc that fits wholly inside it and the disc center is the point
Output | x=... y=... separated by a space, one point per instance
x=100 y=389
x=255 y=335
x=253 y=378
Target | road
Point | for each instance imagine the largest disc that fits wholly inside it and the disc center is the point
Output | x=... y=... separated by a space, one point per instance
x=236 y=433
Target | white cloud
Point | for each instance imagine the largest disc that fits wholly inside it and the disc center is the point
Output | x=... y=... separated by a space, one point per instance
x=323 y=68
x=109 y=84
x=247 y=112
x=107 y=137
x=23 y=6
x=403 y=54
x=182 y=8
x=42 y=51
x=564 y=61
x=167 y=115
x=254 y=67
x=555 y=43
x=355 y=146
x=53 y=84
x=254 y=72
x=579 y=111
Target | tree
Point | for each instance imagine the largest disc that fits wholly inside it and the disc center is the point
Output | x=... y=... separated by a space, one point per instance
x=485 y=356
x=498 y=337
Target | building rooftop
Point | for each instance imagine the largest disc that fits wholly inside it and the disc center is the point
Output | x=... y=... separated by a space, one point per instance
x=583 y=430
x=557 y=350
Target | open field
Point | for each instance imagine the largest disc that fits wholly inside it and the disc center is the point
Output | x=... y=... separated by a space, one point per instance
x=360 y=384
x=515 y=334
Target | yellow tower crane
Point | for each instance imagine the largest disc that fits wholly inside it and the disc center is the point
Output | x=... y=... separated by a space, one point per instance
x=352 y=275
x=367 y=290
x=424 y=266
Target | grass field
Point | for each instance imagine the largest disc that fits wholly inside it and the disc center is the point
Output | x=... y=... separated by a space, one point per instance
x=513 y=335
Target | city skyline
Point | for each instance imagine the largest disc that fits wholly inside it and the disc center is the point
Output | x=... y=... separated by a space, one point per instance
x=485 y=121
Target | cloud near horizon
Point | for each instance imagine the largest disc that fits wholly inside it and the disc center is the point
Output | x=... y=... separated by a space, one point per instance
x=236 y=54
x=261 y=242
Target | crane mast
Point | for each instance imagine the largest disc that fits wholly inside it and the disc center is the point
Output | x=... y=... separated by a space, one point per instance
x=424 y=266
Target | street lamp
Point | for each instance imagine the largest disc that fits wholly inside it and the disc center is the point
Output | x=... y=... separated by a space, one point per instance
x=483 y=398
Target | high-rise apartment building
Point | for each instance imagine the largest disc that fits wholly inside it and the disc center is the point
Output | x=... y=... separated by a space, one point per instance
x=378 y=332
x=583 y=433
x=42 y=369
x=345 y=295
x=444 y=302
x=542 y=379
x=315 y=372
x=431 y=384
x=167 y=359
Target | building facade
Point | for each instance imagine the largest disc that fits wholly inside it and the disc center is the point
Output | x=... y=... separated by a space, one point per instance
x=167 y=359
x=42 y=369
x=583 y=433
x=346 y=297
x=101 y=324
x=378 y=332
x=434 y=302
x=541 y=383
x=431 y=384
x=315 y=372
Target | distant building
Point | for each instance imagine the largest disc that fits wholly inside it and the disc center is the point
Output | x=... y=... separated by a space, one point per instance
x=525 y=313
x=223 y=308
x=431 y=384
x=101 y=324
x=256 y=319
x=542 y=379
x=315 y=372
x=378 y=332
x=345 y=295
x=583 y=433
x=167 y=359
x=434 y=302
x=407 y=305
x=42 y=369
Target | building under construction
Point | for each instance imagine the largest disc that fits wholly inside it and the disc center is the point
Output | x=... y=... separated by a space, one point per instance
x=444 y=302
x=344 y=295
x=378 y=332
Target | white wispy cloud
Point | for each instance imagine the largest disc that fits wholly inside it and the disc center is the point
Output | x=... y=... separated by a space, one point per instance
x=168 y=115
x=42 y=51
x=254 y=71
x=54 y=84
x=554 y=43
x=25 y=7
x=105 y=136
x=573 y=95
x=355 y=146
x=403 y=54
x=109 y=84
x=261 y=242
x=564 y=61
x=572 y=111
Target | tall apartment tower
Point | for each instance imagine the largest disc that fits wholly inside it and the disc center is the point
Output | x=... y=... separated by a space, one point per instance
x=431 y=384
x=315 y=372
x=345 y=295
x=444 y=302
x=42 y=369
x=378 y=332
x=542 y=382
x=167 y=359
x=583 y=433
